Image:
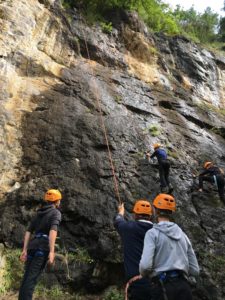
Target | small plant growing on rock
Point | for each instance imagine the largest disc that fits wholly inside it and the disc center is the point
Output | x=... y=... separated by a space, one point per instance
x=106 y=27
x=153 y=129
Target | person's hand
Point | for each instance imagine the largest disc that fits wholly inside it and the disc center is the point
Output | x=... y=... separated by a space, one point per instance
x=51 y=258
x=121 y=209
x=23 y=256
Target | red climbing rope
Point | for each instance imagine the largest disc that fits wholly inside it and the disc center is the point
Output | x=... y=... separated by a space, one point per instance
x=97 y=96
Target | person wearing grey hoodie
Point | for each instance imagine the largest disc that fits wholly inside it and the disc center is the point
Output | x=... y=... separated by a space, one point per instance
x=168 y=257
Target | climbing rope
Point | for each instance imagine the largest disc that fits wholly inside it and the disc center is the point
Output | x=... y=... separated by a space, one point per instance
x=98 y=101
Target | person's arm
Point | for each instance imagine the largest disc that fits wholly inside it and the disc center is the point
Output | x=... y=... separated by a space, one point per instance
x=23 y=256
x=52 y=239
x=146 y=263
x=119 y=221
x=206 y=172
x=53 y=235
x=153 y=154
x=193 y=263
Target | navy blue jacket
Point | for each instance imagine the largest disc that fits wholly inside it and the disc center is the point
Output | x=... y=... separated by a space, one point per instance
x=132 y=234
x=160 y=154
x=211 y=171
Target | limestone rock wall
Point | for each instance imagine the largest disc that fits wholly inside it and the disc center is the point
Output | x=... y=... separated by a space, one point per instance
x=151 y=88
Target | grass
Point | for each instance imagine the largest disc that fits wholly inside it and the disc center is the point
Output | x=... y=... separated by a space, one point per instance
x=153 y=129
x=113 y=294
x=12 y=271
x=209 y=107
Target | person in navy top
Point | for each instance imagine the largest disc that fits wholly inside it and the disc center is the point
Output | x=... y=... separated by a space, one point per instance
x=213 y=174
x=132 y=234
x=164 y=167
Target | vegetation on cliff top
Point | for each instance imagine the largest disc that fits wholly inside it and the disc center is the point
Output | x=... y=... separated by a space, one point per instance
x=204 y=27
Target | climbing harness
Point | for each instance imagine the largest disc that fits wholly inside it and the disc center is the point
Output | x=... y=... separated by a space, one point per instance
x=131 y=280
x=41 y=235
x=96 y=94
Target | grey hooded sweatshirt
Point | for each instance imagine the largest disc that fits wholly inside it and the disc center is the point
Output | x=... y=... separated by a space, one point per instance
x=166 y=247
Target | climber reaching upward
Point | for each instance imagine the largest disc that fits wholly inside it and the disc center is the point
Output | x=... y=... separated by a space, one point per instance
x=214 y=175
x=164 y=167
x=132 y=234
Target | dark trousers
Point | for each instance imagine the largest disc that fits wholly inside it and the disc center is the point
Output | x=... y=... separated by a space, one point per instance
x=174 y=288
x=164 y=171
x=220 y=184
x=140 y=290
x=33 y=269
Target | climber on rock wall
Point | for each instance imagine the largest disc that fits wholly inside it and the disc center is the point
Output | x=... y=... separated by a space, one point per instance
x=41 y=248
x=132 y=234
x=214 y=175
x=164 y=167
x=168 y=257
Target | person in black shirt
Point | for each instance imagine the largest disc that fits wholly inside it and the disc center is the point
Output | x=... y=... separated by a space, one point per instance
x=41 y=248
x=213 y=174
x=132 y=234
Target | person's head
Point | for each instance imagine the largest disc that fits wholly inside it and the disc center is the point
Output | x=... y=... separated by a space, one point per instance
x=164 y=206
x=156 y=146
x=142 y=210
x=53 y=196
x=208 y=164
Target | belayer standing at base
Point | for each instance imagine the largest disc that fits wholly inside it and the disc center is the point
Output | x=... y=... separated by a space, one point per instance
x=164 y=167
x=132 y=234
x=168 y=258
x=214 y=175
x=41 y=248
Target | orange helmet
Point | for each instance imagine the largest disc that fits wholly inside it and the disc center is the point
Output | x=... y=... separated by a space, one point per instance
x=165 y=201
x=142 y=207
x=207 y=164
x=157 y=145
x=52 y=195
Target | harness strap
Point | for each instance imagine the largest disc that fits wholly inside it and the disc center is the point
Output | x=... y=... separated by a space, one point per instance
x=131 y=280
x=163 y=289
x=215 y=180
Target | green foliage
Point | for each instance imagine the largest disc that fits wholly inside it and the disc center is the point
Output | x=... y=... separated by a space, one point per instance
x=13 y=270
x=80 y=255
x=158 y=16
x=153 y=129
x=198 y=26
x=106 y=27
x=173 y=154
x=113 y=294
x=118 y=99
x=54 y=293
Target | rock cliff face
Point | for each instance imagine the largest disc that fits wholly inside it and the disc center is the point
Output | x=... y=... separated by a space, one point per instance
x=151 y=88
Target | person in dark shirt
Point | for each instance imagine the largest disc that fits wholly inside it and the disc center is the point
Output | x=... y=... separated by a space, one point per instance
x=41 y=248
x=164 y=167
x=132 y=234
x=213 y=174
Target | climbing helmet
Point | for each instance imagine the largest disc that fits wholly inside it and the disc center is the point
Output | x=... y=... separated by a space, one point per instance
x=207 y=164
x=142 y=207
x=165 y=201
x=156 y=145
x=52 y=195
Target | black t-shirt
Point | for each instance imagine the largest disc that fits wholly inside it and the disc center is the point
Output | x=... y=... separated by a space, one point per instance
x=48 y=218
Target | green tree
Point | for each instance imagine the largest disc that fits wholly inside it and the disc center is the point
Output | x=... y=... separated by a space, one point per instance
x=200 y=26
